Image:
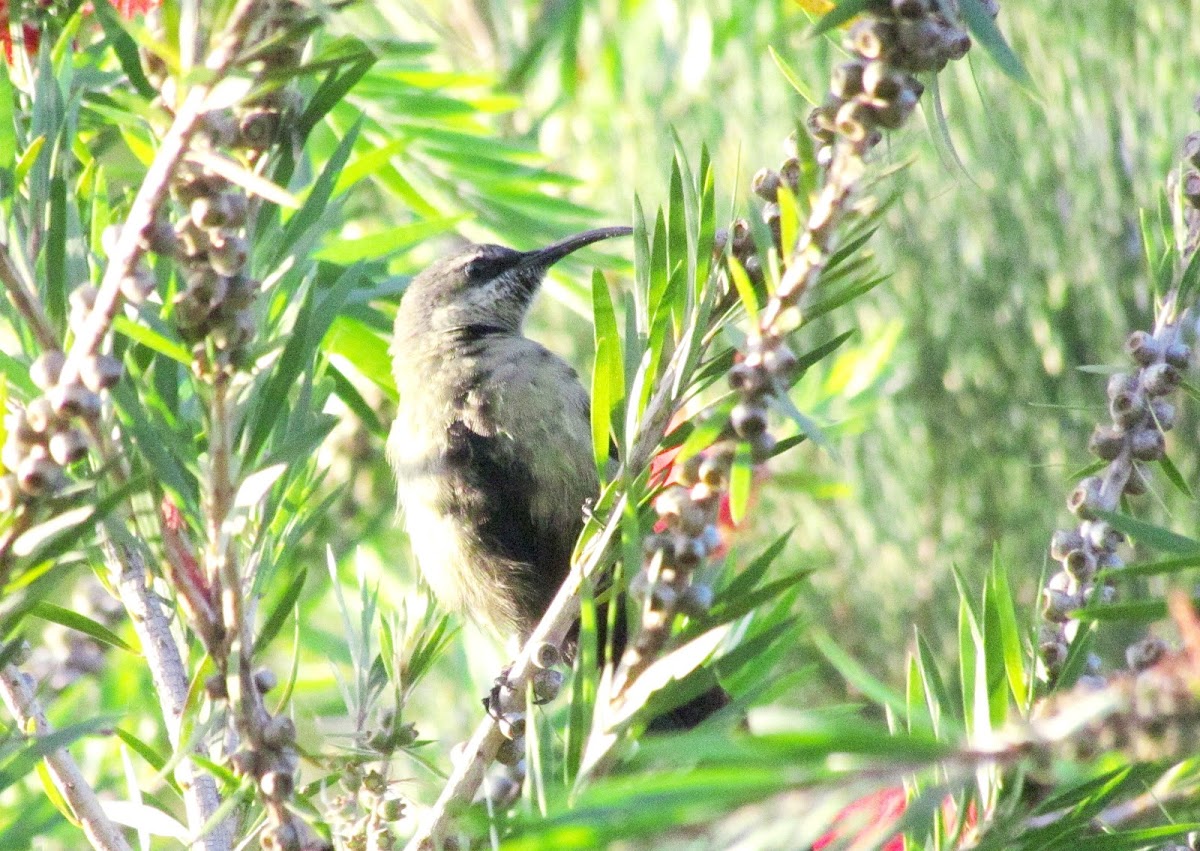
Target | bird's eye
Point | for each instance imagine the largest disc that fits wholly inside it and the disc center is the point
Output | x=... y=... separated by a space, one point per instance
x=481 y=269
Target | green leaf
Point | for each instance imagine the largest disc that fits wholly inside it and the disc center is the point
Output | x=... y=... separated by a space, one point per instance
x=297 y=357
x=124 y=47
x=1152 y=536
x=25 y=163
x=152 y=339
x=318 y=197
x=985 y=31
x=856 y=675
x=608 y=374
x=81 y=623
x=1189 y=280
x=152 y=757
x=365 y=350
x=789 y=74
x=331 y=92
x=745 y=289
x=17 y=767
x=1141 y=611
x=56 y=798
x=660 y=273
x=279 y=613
x=1000 y=598
x=1155 y=568
x=56 y=252
x=1173 y=475
x=385 y=243
x=741 y=482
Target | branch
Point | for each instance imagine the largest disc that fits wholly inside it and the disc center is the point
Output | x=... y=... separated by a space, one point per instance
x=129 y=246
x=65 y=774
x=167 y=669
x=26 y=301
x=470 y=765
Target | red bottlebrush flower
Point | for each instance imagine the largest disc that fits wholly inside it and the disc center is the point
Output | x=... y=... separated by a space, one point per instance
x=129 y=8
x=31 y=32
x=883 y=809
x=879 y=809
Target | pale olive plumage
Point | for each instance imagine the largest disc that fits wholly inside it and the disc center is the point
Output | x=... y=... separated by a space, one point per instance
x=492 y=444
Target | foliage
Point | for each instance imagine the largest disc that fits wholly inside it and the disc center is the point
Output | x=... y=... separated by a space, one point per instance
x=234 y=488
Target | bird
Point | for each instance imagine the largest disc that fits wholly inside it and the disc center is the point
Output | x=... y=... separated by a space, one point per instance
x=492 y=444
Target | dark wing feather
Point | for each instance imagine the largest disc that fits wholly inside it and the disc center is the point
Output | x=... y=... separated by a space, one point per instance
x=493 y=496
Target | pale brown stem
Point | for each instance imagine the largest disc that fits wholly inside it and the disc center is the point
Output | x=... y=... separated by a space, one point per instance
x=100 y=831
x=167 y=669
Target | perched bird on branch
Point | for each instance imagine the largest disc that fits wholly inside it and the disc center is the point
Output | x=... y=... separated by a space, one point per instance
x=492 y=444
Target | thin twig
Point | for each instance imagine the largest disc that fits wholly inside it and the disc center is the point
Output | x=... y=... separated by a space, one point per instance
x=101 y=832
x=169 y=673
x=27 y=302
x=129 y=245
x=470 y=765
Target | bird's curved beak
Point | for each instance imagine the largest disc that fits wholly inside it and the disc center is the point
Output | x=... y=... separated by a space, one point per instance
x=546 y=257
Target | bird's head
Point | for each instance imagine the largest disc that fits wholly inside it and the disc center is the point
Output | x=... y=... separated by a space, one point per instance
x=487 y=286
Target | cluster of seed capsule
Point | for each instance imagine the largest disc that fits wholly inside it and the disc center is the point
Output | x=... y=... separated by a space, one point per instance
x=363 y=809
x=507 y=706
x=1141 y=415
x=213 y=311
x=50 y=433
x=268 y=755
x=740 y=237
x=876 y=90
x=216 y=300
x=1147 y=713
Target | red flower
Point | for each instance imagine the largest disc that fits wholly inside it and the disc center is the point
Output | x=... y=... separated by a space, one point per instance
x=879 y=809
x=883 y=809
x=31 y=32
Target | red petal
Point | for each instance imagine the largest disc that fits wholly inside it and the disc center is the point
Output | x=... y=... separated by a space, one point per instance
x=881 y=808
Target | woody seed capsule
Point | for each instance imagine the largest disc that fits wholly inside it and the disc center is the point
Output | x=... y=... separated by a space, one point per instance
x=1127 y=407
x=1191 y=188
x=854 y=120
x=1106 y=442
x=512 y=725
x=100 y=372
x=40 y=416
x=880 y=81
x=1063 y=542
x=1145 y=653
x=1138 y=482
x=1178 y=355
x=1142 y=347
x=1085 y=499
x=38 y=475
x=748 y=420
x=1148 y=444
x=847 y=80
x=67 y=447
x=1160 y=379
x=75 y=400
x=872 y=38
x=789 y=172
x=1191 y=149
x=511 y=751
x=1163 y=413
x=765 y=184
x=10 y=493
x=1081 y=564
x=45 y=370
